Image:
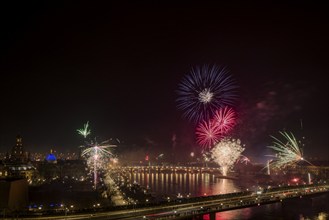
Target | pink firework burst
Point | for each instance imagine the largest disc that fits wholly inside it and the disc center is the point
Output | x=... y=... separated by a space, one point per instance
x=207 y=134
x=224 y=119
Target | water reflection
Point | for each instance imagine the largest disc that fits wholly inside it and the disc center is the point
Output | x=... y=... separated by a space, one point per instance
x=298 y=209
x=231 y=215
x=192 y=184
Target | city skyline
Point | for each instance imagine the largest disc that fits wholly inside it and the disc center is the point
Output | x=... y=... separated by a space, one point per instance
x=119 y=66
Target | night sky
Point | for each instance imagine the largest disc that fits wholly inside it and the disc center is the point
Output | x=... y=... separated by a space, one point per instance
x=118 y=66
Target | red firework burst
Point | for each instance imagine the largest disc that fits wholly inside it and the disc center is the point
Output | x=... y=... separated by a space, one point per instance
x=224 y=119
x=207 y=134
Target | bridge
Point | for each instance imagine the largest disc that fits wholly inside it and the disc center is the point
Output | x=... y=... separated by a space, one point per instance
x=183 y=169
x=190 y=207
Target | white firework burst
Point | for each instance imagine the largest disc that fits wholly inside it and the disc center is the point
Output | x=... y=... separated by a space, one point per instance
x=97 y=156
x=226 y=153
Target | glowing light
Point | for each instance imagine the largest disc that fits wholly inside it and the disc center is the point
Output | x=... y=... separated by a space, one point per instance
x=295 y=180
x=205 y=96
x=84 y=131
x=226 y=153
x=51 y=157
x=309 y=178
x=204 y=90
x=115 y=160
x=268 y=167
x=288 y=151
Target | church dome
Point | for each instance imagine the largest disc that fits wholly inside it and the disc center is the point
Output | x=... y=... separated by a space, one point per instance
x=51 y=158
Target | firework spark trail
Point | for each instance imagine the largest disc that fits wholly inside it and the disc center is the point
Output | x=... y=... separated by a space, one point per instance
x=207 y=134
x=244 y=159
x=84 y=131
x=97 y=155
x=205 y=90
x=288 y=152
x=224 y=119
x=102 y=148
x=226 y=153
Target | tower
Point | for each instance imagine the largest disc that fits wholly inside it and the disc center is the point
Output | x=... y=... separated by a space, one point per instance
x=17 y=153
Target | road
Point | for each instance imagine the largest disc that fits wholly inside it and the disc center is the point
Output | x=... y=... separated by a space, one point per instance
x=201 y=205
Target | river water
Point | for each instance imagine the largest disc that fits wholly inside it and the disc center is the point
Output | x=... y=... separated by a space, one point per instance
x=192 y=184
x=196 y=184
x=297 y=209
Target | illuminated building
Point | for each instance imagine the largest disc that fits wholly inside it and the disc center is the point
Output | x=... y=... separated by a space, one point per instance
x=18 y=153
x=3 y=170
x=17 y=164
x=51 y=158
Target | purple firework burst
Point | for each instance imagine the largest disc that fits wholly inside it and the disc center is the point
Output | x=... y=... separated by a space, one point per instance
x=204 y=90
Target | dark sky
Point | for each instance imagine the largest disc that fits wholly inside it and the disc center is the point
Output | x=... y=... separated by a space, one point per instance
x=117 y=65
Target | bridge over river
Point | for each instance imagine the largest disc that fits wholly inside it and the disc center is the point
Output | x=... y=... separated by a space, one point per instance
x=191 y=207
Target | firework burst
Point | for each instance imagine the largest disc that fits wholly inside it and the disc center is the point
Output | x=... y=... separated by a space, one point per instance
x=224 y=119
x=288 y=151
x=244 y=159
x=205 y=90
x=85 y=131
x=226 y=153
x=97 y=156
x=207 y=134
